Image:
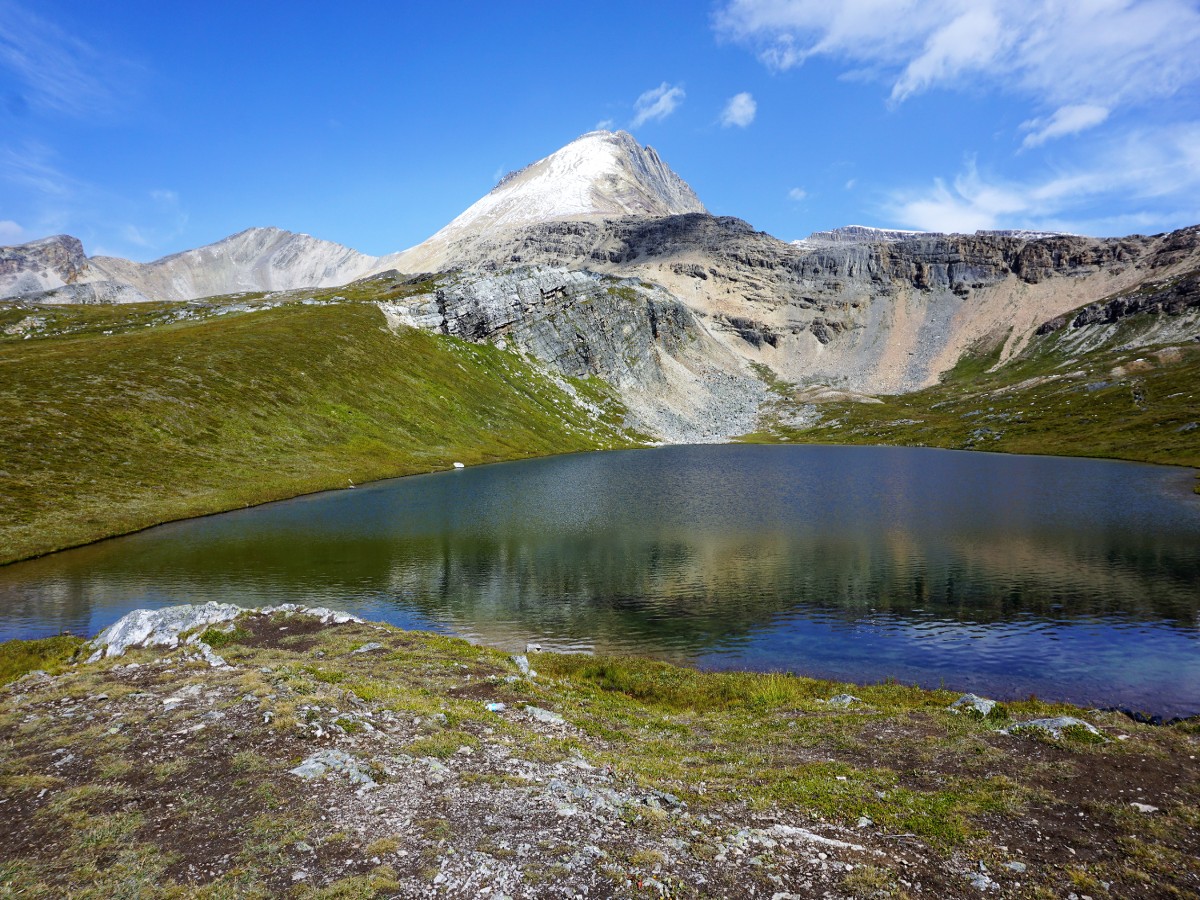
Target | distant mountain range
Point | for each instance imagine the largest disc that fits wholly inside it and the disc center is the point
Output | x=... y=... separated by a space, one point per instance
x=855 y=309
x=600 y=175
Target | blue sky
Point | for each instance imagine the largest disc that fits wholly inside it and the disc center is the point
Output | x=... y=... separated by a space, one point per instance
x=145 y=128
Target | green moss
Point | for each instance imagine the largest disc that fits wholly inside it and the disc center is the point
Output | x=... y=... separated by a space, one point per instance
x=216 y=638
x=51 y=655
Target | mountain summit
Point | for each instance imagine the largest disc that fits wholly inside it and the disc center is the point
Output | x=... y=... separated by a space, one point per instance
x=600 y=175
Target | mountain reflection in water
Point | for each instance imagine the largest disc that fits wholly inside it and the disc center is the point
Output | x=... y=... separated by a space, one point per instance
x=1073 y=579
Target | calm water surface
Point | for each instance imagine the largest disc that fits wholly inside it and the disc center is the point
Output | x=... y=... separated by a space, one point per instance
x=1072 y=579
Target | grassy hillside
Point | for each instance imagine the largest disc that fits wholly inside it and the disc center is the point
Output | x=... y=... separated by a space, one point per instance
x=1124 y=397
x=116 y=418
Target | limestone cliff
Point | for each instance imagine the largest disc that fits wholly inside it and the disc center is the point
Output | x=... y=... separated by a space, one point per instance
x=42 y=265
x=678 y=382
x=874 y=316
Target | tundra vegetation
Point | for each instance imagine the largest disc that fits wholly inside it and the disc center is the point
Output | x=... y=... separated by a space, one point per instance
x=441 y=769
x=121 y=417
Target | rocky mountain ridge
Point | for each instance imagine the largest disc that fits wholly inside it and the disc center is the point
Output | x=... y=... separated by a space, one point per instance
x=711 y=307
x=882 y=316
x=55 y=269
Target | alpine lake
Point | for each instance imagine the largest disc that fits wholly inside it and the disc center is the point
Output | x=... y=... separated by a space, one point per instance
x=1069 y=579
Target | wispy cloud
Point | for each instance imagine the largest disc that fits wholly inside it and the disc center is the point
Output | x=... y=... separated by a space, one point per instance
x=740 y=110
x=59 y=72
x=605 y=125
x=1145 y=168
x=1065 y=120
x=657 y=103
x=54 y=202
x=797 y=194
x=29 y=167
x=163 y=220
x=1104 y=52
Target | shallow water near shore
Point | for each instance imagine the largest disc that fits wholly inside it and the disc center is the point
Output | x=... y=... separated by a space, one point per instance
x=1071 y=579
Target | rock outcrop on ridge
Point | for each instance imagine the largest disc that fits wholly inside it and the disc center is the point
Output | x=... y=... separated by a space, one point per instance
x=43 y=265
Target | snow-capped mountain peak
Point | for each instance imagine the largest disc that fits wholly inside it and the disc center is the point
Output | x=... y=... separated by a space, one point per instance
x=602 y=173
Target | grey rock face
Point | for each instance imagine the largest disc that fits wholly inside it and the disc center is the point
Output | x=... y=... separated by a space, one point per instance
x=544 y=715
x=89 y=293
x=678 y=383
x=333 y=761
x=602 y=174
x=883 y=315
x=257 y=259
x=1173 y=299
x=843 y=700
x=158 y=627
x=41 y=265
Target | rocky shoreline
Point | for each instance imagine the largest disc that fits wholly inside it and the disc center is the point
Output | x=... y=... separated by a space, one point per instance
x=210 y=751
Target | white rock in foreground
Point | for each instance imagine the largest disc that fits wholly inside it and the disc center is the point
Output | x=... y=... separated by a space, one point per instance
x=158 y=627
x=843 y=700
x=163 y=627
x=972 y=703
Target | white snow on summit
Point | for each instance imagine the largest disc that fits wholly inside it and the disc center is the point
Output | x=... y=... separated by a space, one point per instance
x=602 y=173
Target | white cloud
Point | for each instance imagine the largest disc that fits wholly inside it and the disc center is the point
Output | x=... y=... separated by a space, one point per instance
x=29 y=168
x=1141 y=170
x=851 y=183
x=1101 y=52
x=10 y=231
x=1065 y=121
x=605 y=125
x=969 y=41
x=797 y=193
x=739 y=111
x=165 y=197
x=657 y=103
x=60 y=72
